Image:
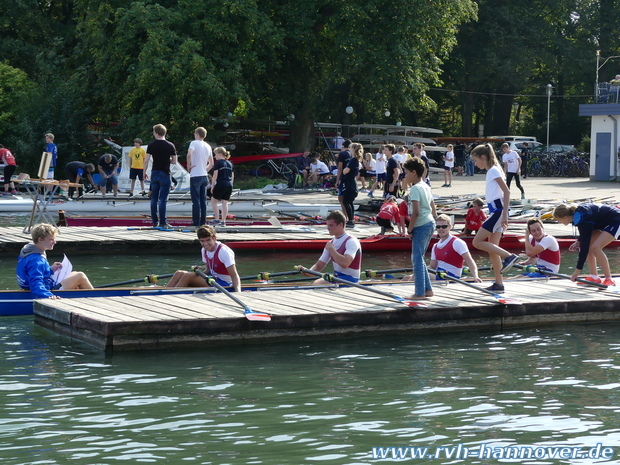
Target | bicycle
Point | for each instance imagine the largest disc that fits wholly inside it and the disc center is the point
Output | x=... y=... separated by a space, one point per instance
x=267 y=170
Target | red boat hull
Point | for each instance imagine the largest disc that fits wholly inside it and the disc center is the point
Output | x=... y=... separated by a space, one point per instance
x=513 y=242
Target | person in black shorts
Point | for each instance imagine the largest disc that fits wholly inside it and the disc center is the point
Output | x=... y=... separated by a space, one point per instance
x=222 y=184
x=392 y=172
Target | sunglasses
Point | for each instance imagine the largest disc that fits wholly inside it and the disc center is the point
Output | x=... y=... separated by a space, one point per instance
x=442 y=226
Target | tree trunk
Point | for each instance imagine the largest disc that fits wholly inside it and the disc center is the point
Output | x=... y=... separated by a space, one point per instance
x=468 y=109
x=301 y=135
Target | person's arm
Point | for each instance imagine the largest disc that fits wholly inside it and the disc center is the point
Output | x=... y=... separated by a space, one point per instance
x=147 y=158
x=415 y=213
x=344 y=260
x=174 y=158
x=214 y=177
x=395 y=179
x=504 y=188
x=531 y=250
x=36 y=280
x=101 y=172
x=473 y=268
x=190 y=165
x=234 y=275
x=318 y=266
x=433 y=209
x=210 y=163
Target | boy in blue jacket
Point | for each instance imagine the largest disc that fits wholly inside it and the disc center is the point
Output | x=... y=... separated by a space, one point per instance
x=34 y=273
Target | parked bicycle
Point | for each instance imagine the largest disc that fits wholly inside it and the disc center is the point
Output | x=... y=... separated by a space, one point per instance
x=269 y=169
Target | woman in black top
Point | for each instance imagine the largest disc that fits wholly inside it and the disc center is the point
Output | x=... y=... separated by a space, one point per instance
x=348 y=183
x=221 y=184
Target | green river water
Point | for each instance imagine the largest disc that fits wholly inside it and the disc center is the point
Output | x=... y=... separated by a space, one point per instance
x=308 y=401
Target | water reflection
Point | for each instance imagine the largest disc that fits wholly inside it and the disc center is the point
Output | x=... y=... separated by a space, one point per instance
x=328 y=401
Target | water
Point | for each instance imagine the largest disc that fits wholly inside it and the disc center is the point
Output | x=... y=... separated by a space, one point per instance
x=325 y=402
x=310 y=401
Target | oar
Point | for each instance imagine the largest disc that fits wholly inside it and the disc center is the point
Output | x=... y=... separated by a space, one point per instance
x=265 y=275
x=248 y=312
x=375 y=273
x=330 y=278
x=532 y=268
x=152 y=279
x=502 y=299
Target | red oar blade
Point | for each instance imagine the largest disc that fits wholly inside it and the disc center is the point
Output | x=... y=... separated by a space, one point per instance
x=507 y=301
x=255 y=316
x=415 y=303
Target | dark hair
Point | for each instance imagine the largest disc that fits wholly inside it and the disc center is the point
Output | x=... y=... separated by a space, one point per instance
x=204 y=232
x=346 y=143
x=532 y=221
x=415 y=165
x=337 y=216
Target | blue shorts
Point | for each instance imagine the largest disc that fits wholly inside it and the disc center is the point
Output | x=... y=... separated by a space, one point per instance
x=346 y=277
x=381 y=177
x=447 y=168
x=103 y=181
x=493 y=223
x=613 y=229
x=439 y=278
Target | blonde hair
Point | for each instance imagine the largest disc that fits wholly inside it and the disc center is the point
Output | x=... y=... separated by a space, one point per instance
x=43 y=230
x=446 y=218
x=357 y=150
x=50 y=136
x=485 y=150
x=563 y=210
x=222 y=151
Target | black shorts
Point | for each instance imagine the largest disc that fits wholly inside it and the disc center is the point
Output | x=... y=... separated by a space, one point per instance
x=221 y=192
x=136 y=173
x=8 y=172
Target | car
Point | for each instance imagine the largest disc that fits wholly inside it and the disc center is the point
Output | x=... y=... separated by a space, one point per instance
x=555 y=149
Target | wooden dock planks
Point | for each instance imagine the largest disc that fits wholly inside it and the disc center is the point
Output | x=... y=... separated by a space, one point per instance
x=158 y=321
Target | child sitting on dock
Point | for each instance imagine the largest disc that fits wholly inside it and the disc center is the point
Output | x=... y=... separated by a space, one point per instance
x=34 y=273
x=474 y=218
x=219 y=260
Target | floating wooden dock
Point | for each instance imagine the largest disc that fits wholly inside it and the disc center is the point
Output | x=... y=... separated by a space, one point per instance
x=181 y=321
x=78 y=240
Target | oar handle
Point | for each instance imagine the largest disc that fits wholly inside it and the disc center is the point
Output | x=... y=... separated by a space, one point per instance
x=373 y=273
x=333 y=279
x=533 y=268
x=445 y=275
x=151 y=279
x=266 y=275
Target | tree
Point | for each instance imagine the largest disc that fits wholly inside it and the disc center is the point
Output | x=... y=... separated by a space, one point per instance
x=375 y=55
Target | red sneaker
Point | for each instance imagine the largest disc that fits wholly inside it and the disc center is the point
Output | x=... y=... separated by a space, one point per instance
x=590 y=279
x=609 y=282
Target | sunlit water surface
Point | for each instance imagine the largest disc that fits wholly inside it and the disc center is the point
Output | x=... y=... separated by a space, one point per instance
x=313 y=401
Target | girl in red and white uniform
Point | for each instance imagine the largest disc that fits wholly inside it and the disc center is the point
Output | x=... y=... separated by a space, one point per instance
x=219 y=260
x=542 y=249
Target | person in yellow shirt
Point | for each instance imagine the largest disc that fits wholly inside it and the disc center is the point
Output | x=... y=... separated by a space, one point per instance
x=136 y=170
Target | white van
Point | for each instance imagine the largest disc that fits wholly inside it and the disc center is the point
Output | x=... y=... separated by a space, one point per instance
x=515 y=138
